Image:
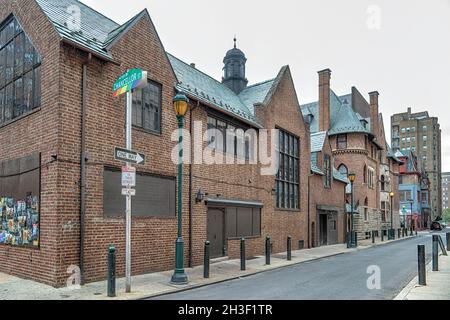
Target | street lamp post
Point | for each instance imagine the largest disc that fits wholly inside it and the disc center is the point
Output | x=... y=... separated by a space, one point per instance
x=180 y=103
x=352 y=178
x=411 y=221
x=392 y=232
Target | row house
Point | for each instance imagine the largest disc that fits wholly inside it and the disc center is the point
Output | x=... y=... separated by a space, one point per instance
x=60 y=192
x=356 y=133
x=414 y=190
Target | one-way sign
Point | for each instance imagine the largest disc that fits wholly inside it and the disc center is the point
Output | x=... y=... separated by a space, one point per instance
x=129 y=156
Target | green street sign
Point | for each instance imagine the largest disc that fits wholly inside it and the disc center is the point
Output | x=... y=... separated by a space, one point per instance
x=132 y=79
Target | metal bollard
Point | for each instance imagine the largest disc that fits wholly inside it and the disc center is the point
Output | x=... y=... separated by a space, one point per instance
x=382 y=235
x=111 y=271
x=355 y=237
x=448 y=240
x=289 y=248
x=206 y=260
x=398 y=231
x=411 y=231
x=242 y=254
x=373 y=236
x=421 y=264
x=435 y=253
x=267 y=250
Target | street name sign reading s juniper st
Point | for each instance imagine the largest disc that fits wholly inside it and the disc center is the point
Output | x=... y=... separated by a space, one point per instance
x=132 y=79
x=128 y=156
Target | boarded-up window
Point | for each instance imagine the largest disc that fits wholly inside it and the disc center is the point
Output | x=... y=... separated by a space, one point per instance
x=19 y=201
x=243 y=222
x=155 y=196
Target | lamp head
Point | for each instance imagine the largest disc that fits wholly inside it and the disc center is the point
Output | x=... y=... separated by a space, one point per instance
x=180 y=104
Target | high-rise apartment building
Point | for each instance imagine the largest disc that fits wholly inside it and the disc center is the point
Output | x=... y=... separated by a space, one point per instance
x=445 y=191
x=421 y=134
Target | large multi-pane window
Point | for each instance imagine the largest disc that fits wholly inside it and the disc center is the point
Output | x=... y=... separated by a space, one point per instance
x=229 y=138
x=20 y=72
x=147 y=107
x=287 y=178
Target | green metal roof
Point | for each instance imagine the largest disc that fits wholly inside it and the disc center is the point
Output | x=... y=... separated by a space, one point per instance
x=342 y=117
x=197 y=84
x=339 y=176
x=93 y=30
x=315 y=169
x=317 y=141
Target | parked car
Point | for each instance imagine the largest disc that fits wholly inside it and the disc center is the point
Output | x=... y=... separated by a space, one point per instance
x=437 y=225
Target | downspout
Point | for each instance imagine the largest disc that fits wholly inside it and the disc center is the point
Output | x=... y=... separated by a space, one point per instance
x=190 y=185
x=309 y=211
x=83 y=166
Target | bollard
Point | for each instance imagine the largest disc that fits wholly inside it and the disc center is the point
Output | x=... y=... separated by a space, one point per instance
x=435 y=253
x=111 y=271
x=421 y=266
x=206 y=260
x=448 y=240
x=398 y=231
x=382 y=235
x=347 y=236
x=242 y=254
x=356 y=239
x=411 y=231
x=373 y=236
x=267 y=250
x=289 y=248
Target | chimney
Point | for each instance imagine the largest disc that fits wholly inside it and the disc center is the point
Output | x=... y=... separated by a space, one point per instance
x=324 y=99
x=374 y=123
x=193 y=65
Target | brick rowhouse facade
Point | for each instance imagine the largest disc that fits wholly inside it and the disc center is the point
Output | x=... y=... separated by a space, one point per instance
x=55 y=131
x=359 y=146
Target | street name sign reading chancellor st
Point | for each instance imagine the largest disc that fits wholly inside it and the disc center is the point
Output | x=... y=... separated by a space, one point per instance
x=129 y=156
x=132 y=79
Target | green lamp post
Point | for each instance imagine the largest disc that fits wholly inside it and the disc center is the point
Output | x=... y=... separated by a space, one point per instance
x=391 y=231
x=180 y=104
x=352 y=178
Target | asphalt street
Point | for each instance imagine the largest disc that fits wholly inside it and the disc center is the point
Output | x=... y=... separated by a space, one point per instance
x=343 y=276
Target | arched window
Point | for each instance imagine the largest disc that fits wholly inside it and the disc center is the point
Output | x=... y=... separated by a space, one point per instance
x=343 y=170
x=383 y=183
x=365 y=174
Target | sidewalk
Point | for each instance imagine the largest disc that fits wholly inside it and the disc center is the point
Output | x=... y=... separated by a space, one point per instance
x=437 y=287
x=154 y=284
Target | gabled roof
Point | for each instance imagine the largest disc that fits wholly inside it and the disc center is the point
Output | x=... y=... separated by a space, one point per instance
x=94 y=28
x=342 y=117
x=203 y=87
x=317 y=141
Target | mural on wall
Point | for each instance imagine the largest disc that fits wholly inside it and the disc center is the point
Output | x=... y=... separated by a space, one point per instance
x=20 y=201
x=20 y=221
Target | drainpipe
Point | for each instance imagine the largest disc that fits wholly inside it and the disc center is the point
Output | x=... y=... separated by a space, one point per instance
x=83 y=165
x=309 y=211
x=190 y=263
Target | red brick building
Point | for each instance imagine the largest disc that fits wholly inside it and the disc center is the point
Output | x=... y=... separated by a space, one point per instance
x=355 y=132
x=60 y=185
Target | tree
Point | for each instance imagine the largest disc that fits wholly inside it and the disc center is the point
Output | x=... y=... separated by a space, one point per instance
x=446 y=215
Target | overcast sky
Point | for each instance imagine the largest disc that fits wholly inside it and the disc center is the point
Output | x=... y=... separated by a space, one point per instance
x=400 y=48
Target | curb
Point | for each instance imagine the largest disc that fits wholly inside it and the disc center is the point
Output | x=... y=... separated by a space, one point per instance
x=240 y=277
x=275 y=268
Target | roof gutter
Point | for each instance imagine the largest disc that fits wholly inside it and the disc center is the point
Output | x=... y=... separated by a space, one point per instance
x=91 y=52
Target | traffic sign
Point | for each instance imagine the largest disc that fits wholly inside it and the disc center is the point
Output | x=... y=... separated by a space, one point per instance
x=132 y=79
x=129 y=156
x=129 y=192
x=128 y=177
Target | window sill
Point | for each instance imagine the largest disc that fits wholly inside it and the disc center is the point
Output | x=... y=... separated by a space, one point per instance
x=20 y=117
x=287 y=210
x=121 y=217
x=155 y=133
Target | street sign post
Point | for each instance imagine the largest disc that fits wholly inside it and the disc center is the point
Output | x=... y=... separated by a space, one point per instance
x=128 y=177
x=126 y=83
x=129 y=156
